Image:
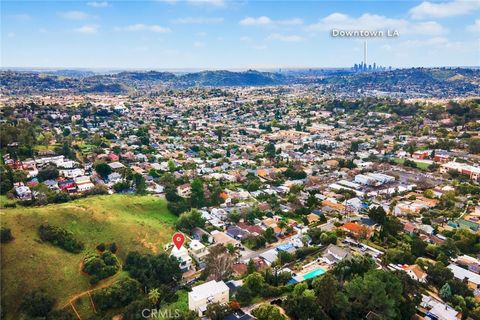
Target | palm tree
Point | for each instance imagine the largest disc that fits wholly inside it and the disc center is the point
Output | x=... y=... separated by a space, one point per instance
x=154 y=295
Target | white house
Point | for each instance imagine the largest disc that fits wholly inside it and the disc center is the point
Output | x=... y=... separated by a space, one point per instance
x=72 y=173
x=198 y=252
x=201 y=296
x=23 y=193
x=185 y=261
x=83 y=183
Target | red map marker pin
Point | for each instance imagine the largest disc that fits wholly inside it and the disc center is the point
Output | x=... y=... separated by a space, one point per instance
x=178 y=239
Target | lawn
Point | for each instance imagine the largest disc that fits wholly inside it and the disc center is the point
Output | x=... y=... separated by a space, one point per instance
x=420 y=165
x=141 y=223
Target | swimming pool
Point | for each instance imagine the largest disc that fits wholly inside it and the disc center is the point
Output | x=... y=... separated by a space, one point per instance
x=314 y=273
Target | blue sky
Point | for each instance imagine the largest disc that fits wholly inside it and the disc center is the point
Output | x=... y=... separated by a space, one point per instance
x=222 y=34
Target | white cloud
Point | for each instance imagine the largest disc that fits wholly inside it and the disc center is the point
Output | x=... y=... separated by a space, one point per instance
x=87 y=29
x=260 y=21
x=445 y=9
x=215 y=3
x=143 y=27
x=285 y=38
x=475 y=27
x=74 y=15
x=98 y=4
x=198 y=44
x=266 y=21
x=11 y=35
x=369 y=21
x=197 y=20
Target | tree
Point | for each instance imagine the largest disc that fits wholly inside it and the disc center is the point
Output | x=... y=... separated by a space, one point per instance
x=474 y=146
x=267 y=312
x=197 y=197
x=154 y=296
x=378 y=215
x=270 y=150
x=50 y=172
x=218 y=263
x=302 y=304
x=61 y=315
x=37 y=303
x=189 y=220
x=171 y=165
x=244 y=295
x=140 y=185
x=438 y=274
x=255 y=282
x=326 y=291
x=446 y=292
x=251 y=267
x=217 y=311
x=153 y=271
x=103 y=169
x=377 y=291
x=269 y=235
x=120 y=294
x=285 y=257
x=357 y=265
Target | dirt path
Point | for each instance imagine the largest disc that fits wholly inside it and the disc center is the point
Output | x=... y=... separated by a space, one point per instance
x=102 y=284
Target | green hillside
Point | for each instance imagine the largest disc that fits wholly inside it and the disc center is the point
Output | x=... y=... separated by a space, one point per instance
x=141 y=223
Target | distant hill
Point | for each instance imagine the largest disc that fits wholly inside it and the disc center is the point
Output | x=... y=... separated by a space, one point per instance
x=436 y=82
x=227 y=78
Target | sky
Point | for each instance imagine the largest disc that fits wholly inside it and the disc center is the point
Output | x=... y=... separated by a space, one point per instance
x=223 y=34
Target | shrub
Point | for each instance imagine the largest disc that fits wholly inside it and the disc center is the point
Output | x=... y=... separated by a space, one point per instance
x=37 y=303
x=5 y=235
x=60 y=237
x=113 y=247
x=101 y=247
x=120 y=294
x=61 y=315
x=100 y=266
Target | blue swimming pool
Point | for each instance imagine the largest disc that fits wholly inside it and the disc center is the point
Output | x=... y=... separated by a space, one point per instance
x=314 y=273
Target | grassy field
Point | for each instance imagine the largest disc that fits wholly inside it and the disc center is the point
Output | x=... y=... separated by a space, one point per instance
x=420 y=165
x=141 y=223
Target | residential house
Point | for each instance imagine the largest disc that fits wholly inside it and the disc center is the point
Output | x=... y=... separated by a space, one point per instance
x=203 y=295
x=83 y=183
x=334 y=254
x=356 y=230
x=23 y=193
x=472 y=279
x=198 y=251
x=184 y=259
